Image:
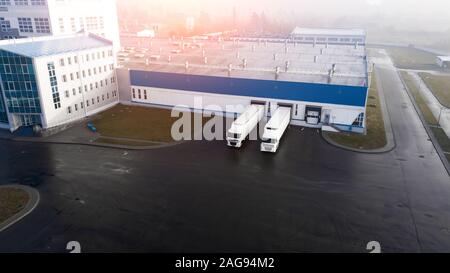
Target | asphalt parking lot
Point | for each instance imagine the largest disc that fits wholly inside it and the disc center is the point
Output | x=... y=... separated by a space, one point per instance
x=206 y=197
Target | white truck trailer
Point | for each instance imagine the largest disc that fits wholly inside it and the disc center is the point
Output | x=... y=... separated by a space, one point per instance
x=244 y=125
x=275 y=128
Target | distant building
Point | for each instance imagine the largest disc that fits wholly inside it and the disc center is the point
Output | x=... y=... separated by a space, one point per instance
x=190 y=23
x=330 y=36
x=53 y=81
x=443 y=61
x=34 y=18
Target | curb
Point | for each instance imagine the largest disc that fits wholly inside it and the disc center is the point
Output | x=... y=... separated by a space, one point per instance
x=390 y=138
x=29 y=207
x=110 y=146
x=434 y=141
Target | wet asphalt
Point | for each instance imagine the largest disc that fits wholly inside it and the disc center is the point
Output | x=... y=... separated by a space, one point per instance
x=206 y=197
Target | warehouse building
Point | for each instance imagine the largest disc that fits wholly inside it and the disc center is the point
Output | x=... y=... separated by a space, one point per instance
x=35 y=18
x=54 y=81
x=443 y=61
x=326 y=85
x=329 y=35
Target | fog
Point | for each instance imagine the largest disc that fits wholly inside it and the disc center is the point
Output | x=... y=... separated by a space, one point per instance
x=386 y=20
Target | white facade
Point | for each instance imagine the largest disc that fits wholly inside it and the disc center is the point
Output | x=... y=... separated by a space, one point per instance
x=33 y=18
x=330 y=36
x=198 y=101
x=85 y=79
x=443 y=61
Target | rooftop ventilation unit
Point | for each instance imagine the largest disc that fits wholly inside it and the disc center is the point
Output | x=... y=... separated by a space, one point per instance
x=287 y=64
x=230 y=68
x=277 y=72
x=244 y=63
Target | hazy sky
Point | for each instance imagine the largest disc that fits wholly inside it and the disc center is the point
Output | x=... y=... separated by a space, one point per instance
x=424 y=14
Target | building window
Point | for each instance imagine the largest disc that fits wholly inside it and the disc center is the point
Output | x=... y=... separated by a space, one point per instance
x=139 y=94
x=82 y=105
x=42 y=25
x=145 y=94
x=75 y=59
x=359 y=121
x=25 y=25
x=54 y=85
x=69 y=61
x=87 y=57
x=91 y=23
x=5 y=2
x=21 y=2
x=74 y=91
x=76 y=107
x=71 y=77
x=81 y=23
x=72 y=24
x=87 y=103
x=93 y=101
x=61 y=62
x=67 y=93
x=38 y=3
x=92 y=86
x=80 y=90
x=98 y=99
x=61 y=25
x=64 y=78
x=78 y=75
x=69 y=109
x=134 y=93
x=5 y=25
x=103 y=97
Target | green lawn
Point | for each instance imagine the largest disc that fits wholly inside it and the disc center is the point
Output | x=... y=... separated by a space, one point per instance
x=412 y=58
x=12 y=201
x=135 y=125
x=375 y=137
x=439 y=85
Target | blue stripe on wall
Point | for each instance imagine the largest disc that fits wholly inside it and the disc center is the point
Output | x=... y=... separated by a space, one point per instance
x=295 y=91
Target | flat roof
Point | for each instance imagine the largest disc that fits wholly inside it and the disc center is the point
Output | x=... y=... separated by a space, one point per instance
x=307 y=63
x=329 y=31
x=47 y=46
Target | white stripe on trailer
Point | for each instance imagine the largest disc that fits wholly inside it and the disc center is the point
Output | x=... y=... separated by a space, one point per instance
x=275 y=128
x=244 y=125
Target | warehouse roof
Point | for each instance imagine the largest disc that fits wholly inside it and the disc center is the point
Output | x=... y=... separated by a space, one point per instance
x=47 y=46
x=256 y=59
x=328 y=31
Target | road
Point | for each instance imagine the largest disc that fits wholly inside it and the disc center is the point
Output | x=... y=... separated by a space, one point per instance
x=205 y=197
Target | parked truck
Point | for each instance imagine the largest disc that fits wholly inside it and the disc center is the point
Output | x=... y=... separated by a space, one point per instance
x=274 y=129
x=244 y=125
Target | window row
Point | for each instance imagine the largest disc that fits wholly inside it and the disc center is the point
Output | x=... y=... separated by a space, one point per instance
x=88 y=23
x=139 y=94
x=87 y=88
x=91 y=102
x=86 y=58
x=41 y=25
x=23 y=2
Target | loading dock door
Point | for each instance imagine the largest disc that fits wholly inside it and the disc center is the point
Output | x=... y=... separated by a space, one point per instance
x=313 y=115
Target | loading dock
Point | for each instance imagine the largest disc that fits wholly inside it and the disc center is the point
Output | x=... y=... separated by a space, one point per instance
x=313 y=115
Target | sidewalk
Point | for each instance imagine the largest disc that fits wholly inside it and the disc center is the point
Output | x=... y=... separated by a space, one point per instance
x=31 y=205
x=433 y=103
